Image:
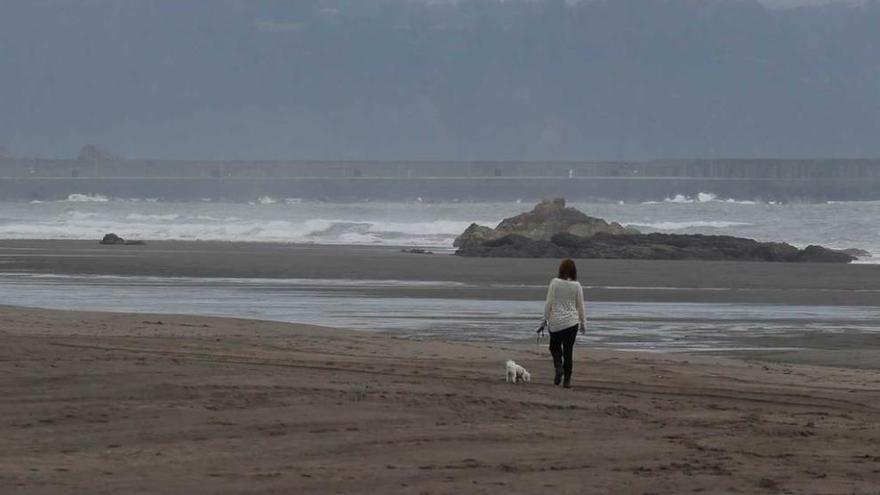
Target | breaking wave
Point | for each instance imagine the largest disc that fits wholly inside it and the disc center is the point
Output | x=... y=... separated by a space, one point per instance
x=87 y=198
x=264 y=200
x=91 y=225
x=703 y=198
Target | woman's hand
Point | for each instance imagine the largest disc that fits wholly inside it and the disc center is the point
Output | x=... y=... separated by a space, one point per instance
x=583 y=328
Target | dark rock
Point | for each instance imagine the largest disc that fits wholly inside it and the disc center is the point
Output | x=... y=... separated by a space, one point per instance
x=552 y=217
x=856 y=253
x=112 y=239
x=553 y=231
x=819 y=254
x=512 y=246
x=543 y=222
x=416 y=251
x=652 y=247
x=474 y=235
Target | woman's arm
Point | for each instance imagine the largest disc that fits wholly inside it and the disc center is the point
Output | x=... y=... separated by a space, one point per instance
x=582 y=314
x=548 y=303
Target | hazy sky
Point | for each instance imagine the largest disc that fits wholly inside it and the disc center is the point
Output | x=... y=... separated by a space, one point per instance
x=798 y=3
x=393 y=79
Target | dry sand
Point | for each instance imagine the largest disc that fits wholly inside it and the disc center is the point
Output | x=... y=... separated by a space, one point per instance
x=120 y=403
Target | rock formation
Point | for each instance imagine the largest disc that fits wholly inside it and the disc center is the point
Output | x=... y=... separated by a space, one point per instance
x=547 y=219
x=416 y=251
x=856 y=252
x=113 y=239
x=553 y=231
x=475 y=235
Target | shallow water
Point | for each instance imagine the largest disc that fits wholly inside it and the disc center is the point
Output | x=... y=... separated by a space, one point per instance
x=354 y=304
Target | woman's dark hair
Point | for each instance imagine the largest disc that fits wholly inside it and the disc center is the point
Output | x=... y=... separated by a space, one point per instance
x=567 y=270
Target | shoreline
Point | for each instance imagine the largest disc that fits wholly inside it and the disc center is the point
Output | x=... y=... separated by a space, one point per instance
x=178 y=404
x=512 y=278
x=814 y=314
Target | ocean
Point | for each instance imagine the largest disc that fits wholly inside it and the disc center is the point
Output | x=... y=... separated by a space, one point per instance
x=426 y=225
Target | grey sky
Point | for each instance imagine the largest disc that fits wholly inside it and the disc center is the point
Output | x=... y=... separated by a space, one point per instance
x=394 y=79
x=800 y=3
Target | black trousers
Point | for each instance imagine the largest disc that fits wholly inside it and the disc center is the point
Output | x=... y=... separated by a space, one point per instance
x=561 y=347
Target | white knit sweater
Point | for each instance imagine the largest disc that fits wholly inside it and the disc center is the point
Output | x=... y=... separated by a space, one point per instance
x=564 y=307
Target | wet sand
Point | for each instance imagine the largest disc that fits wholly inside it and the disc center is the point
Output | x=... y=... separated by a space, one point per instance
x=124 y=403
x=607 y=280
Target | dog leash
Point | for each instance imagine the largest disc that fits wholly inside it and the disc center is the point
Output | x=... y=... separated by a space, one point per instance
x=540 y=333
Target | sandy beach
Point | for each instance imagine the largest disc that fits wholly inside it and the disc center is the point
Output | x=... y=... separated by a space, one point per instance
x=151 y=403
x=127 y=403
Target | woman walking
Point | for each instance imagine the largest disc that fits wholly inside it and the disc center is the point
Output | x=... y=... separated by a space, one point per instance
x=563 y=316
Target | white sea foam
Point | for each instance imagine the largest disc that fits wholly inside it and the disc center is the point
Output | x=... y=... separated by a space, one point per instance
x=702 y=197
x=684 y=199
x=875 y=260
x=99 y=198
x=76 y=224
x=87 y=198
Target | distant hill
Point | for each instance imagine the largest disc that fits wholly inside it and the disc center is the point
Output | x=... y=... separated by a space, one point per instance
x=474 y=79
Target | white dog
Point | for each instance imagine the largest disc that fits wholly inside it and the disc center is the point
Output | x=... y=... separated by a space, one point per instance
x=516 y=373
